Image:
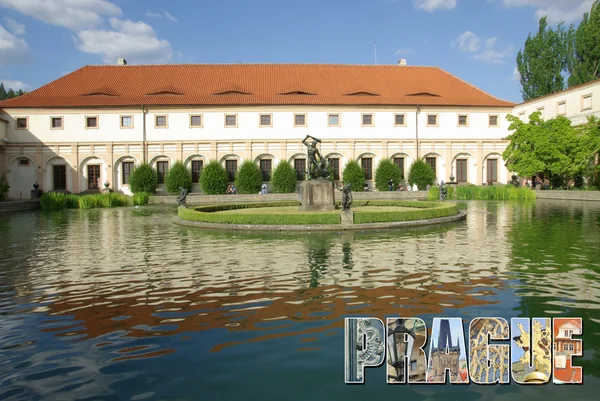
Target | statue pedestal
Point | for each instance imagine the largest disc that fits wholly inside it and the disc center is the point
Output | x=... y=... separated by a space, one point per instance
x=317 y=195
x=347 y=217
x=105 y=190
x=36 y=193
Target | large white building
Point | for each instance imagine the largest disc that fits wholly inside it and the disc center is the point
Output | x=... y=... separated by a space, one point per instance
x=96 y=123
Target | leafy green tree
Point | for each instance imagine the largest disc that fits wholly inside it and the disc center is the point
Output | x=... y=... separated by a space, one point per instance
x=214 y=178
x=543 y=60
x=143 y=178
x=354 y=175
x=552 y=147
x=3 y=93
x=585 y=61
x=178 y=176
x=284 y=178
x=249 y=178
x=590 y=135
x=387 y=170
x=421 y=174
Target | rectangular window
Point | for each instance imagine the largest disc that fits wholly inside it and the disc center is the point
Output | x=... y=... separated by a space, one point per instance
x=299 y=120
x=335 y=166
x=432 y=120
x=231 y=120
x=196 y=121
x=586 y=102
x=231 y=167
x=126 y=121
x=93 y=176
x=160 y=122
x=56 y=122
x=265 y=120
x=127 y=169
x=569 y=347
x=197 y=166
x=22 y=123
x=463 y=120
x=541 y=110
x=367 y=165
x=59 y=176
x=91 y=122
x=300 y=167
x=492 y=170
x=24 y=162
x=399 y=161
x=399 y=120
x=493 y=121
x=461 y=170
x=265 y=168
x=367 y=120
x=431 y=162
x=333 y=120
x=162 y=168
x=561 y=108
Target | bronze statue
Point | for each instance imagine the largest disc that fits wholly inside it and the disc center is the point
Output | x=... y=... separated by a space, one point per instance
x=443 y=191
x=346 y=197
x=182 y=196
x=318 y=166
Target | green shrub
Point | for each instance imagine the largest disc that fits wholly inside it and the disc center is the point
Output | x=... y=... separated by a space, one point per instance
x=495 y=192
x=59 y=201
x=284 y=178
x=178 y=176
x=387 y=170
x=354 y=175
x=214 y=179
x=249 y=178
x=4 y=187
x=440 y=210
x=421 y=174
x=141 y=198
x=143 y=178
x=53 y=201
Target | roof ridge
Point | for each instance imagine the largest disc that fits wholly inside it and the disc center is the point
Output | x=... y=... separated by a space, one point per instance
x=474 y=87
x=261 y=64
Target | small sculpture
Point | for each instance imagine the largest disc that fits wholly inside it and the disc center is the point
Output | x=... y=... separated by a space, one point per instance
x=182 y=196
x=391 y=185
x=443 y=191
x=346 y=197
x=318 y=166
x=415 y=187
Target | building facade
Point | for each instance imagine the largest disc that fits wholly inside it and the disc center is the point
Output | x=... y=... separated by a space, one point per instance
x=96 y=124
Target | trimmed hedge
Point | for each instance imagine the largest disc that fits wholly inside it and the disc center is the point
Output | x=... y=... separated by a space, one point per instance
x=354 y=175
x=284 y=178
x=441 y=210
x=178 y=176
x=249 y=178
x=494 y=192
x=387 y=170
x=143 y=178
x=421 y=174
x=214 y=179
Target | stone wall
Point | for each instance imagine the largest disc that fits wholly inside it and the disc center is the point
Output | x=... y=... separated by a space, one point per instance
x=14 y=206
x=247 y=198
x=569 y=195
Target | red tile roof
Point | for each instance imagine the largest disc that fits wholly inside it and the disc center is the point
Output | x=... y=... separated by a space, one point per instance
x=255 y=84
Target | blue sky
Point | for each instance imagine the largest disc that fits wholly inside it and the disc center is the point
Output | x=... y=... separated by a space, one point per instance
x=477 y=40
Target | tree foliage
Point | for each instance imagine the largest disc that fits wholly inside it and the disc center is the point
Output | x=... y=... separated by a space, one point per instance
x=284 y=178
x=10 y=93
x=214 y=178
x=178 y=176
x=585 y=60
x=143 y=178
x=354 y=175
x=387 y=170
x=249 y=178
x=421 y=174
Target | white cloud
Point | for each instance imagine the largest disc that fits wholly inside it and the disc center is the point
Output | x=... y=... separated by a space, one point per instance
x=401 y=52
x=432 y=5
x=468 y=42
x=165 y=14
x=134 y=41
x=492 y=51
x=556 y=10
x=516 y=76
x=13 y=50
x=15 y=27
x=15 y=85
x=72 y=14
x=179 y=54
x=169 y=16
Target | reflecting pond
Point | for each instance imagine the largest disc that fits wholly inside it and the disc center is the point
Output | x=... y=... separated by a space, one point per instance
x=119 y=304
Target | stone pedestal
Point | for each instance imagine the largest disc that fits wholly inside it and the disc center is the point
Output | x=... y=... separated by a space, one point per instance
x=106 y=190
x=347 y=217
x=36 y=193
x=317 y=195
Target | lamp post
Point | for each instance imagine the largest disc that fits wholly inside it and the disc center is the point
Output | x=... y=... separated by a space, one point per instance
x=400 y=341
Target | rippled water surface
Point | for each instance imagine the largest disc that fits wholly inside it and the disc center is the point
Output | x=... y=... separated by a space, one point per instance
x=121 y=304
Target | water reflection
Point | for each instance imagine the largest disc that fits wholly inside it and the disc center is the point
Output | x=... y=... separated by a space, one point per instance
x=122 y=303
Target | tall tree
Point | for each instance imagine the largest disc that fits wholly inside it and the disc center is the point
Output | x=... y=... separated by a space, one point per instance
x=3 y=93
x=584 y=66
x=543 y=60
x=20 y=92
x=11 y=94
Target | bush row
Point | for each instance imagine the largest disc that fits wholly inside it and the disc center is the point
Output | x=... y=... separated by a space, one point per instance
x=59 y=201
x=496 y=192
x=206 y=215
x=441 y=210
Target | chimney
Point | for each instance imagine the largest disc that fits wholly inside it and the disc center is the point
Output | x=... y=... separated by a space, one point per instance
x=121 y=61
x=402 y=61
